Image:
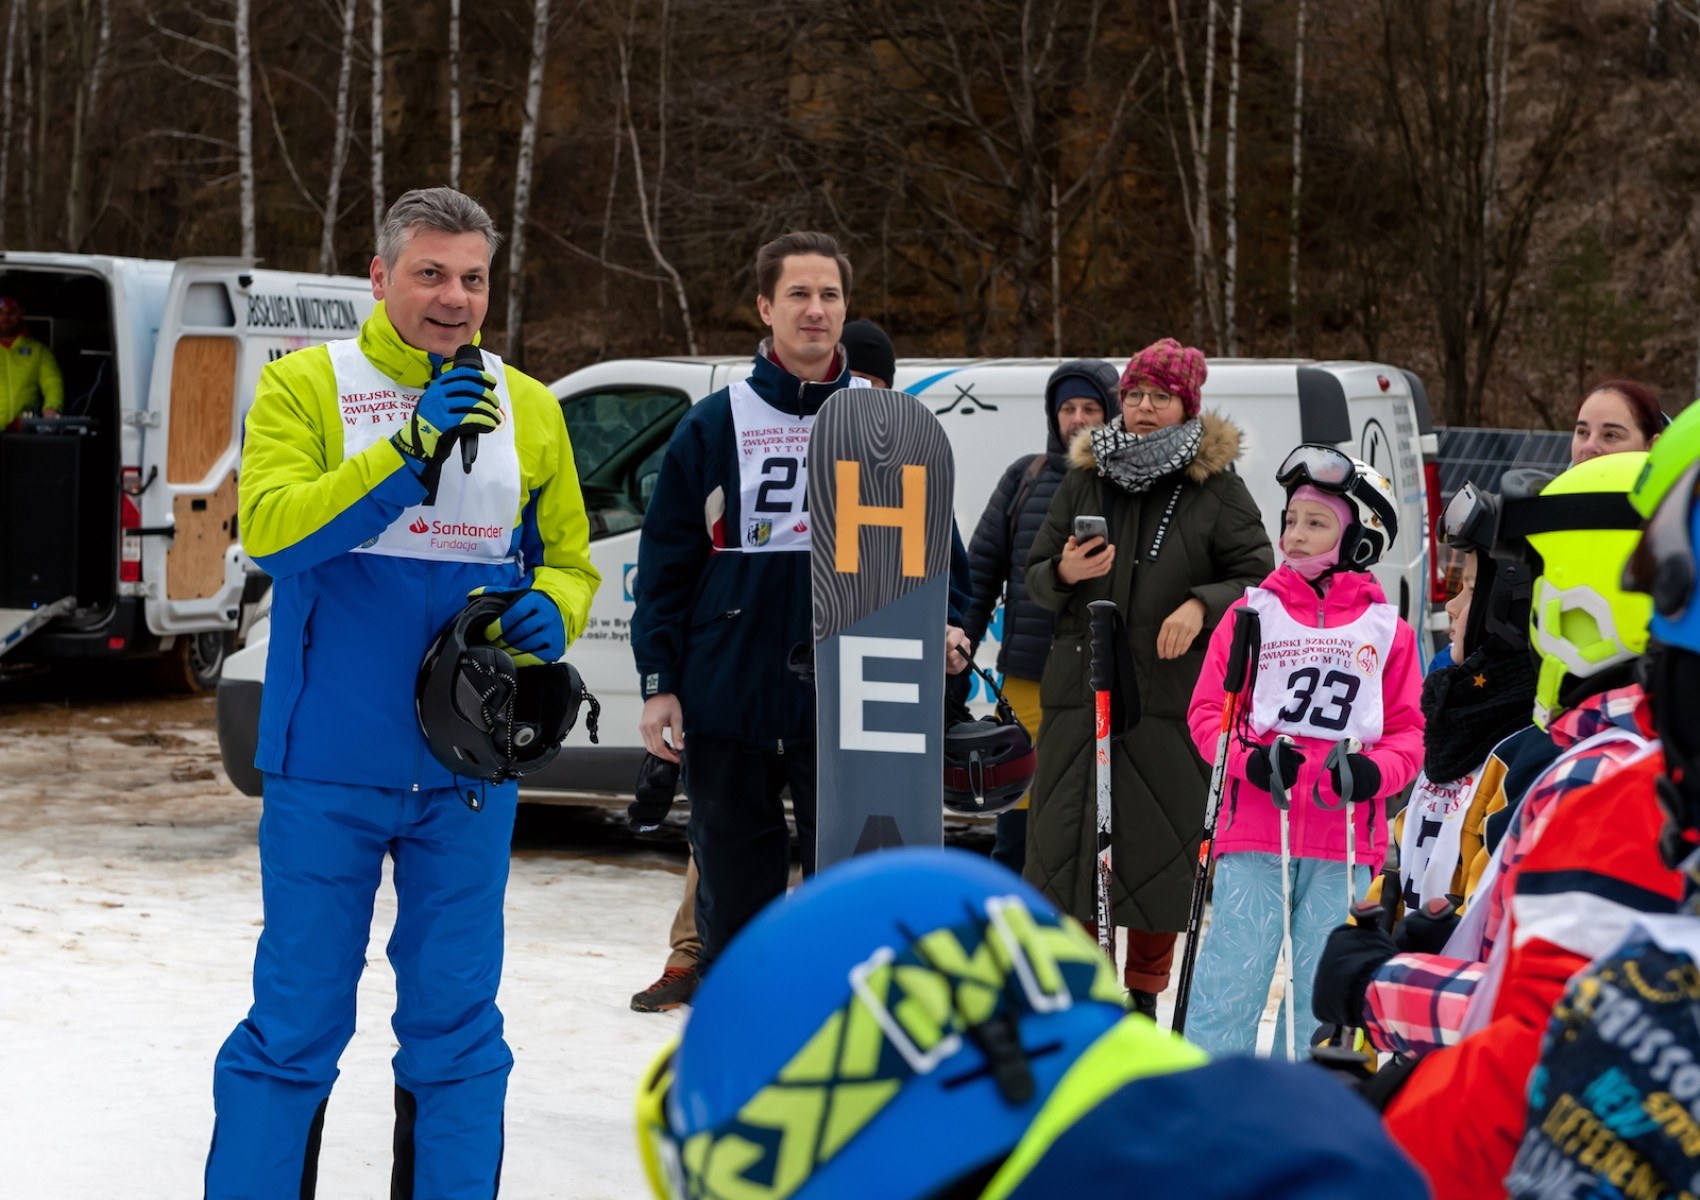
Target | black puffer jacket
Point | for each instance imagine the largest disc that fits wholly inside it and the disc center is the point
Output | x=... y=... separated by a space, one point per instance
x=1014 y=515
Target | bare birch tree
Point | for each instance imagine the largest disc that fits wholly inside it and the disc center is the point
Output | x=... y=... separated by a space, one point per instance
x=1446 y=95
x=340 y=140
x=6 y=112
x=648 y=212
x=233 y=77
x=1206 y=298
x=28 y=150
x=971 y=108
x=1230 y=198
x=92 y=44
x=1056 y=274
x=1298 y=184
x=37 y=201
x=245 y=127
x=614 y=156
x=515 y=347
x=377 y=139
x=454 y=94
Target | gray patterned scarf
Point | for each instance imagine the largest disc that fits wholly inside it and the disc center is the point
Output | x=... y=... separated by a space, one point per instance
x=1134 y=463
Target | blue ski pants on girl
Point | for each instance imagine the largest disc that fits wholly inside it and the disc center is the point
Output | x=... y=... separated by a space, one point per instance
x=322 y=847
x=1241 y=951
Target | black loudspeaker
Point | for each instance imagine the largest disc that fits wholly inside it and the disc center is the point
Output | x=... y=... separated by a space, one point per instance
x=40 y=486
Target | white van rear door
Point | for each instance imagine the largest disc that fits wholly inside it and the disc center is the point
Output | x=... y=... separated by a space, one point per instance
x=193 y=579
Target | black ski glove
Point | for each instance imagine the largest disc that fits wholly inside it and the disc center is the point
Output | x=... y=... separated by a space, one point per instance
x=1366 y=778
x=1425 y=930
x=1385 y=1084
x=1349 y=961
x=1257 y=771
x=657 y=780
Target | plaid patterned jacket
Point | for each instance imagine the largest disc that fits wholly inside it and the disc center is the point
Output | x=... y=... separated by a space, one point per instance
x=1594 y=872
x=1417 y=1002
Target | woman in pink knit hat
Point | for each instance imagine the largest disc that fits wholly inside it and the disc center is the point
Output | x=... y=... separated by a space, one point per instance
x=1186 y=540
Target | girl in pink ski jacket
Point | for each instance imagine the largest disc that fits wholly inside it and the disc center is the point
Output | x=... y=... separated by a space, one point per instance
x=1335 y=662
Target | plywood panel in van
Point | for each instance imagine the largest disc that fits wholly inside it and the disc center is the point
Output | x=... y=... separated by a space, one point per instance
x=194 y=566
x=203 y=390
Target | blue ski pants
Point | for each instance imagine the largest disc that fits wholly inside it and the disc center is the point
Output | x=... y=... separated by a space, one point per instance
x=1241 y=950
x=322 y=847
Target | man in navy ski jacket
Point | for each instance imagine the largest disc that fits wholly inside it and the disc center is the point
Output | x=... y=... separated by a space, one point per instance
x=723 y=617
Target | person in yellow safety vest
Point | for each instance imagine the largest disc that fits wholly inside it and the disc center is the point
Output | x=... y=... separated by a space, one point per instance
x=31 y=381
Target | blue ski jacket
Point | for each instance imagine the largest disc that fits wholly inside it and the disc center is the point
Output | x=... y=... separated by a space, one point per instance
x=349 y=630
x=717 y=627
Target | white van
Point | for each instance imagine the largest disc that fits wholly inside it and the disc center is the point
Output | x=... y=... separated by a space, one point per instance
x=118 y=532
x=621 y=414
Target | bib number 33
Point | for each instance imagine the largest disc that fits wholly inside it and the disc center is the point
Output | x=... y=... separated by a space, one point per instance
x=1324 y=701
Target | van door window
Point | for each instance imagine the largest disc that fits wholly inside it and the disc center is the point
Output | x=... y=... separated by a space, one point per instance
x=619 y=436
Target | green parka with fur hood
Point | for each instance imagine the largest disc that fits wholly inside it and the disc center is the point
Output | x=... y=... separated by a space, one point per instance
x=1216 y=546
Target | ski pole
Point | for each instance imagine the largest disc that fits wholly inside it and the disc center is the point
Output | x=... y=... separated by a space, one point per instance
x=1102 y=614
x=1347 y=1048
x=1242 y=654
x=1283 y=802
x=1339 y=755
x=1341 y=1044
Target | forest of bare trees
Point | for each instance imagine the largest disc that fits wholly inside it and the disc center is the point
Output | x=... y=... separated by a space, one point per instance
x=1499 y=194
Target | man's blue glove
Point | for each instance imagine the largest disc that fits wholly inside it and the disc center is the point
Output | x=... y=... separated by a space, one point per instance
x=531 y=631
x=461 y=398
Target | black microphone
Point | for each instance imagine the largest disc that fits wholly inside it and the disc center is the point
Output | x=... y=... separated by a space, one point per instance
x=469 y=356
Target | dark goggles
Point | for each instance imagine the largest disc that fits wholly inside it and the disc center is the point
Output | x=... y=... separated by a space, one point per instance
x=1323 y=466
x=1662 y=563
x=1523 y=516
x=1469 y=520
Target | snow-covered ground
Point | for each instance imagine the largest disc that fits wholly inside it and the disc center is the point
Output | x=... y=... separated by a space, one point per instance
x=129 y=909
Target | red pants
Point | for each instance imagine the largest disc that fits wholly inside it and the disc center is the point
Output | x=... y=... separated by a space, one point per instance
x=1149 y=958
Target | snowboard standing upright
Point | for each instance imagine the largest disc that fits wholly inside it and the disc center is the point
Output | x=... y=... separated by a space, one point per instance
x=881 y=483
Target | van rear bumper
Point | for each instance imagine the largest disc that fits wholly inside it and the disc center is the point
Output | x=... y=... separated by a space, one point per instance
x=606 y=772
x=123 y=622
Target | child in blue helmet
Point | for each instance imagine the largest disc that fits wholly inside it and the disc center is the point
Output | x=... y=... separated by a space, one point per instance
x=941 y=1031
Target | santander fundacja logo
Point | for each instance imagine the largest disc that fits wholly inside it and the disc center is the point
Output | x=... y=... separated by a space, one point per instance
x=420 y=525
x=800 y=527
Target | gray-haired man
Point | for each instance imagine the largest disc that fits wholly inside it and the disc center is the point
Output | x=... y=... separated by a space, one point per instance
x=340 y=444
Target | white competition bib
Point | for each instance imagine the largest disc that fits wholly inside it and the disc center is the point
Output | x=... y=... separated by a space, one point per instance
x=475 y=515
x=1432 y=834
x=773 y=472
x=1320 y=683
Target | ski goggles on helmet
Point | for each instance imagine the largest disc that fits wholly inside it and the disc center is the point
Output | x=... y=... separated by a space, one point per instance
x=1524 y=516
x=1322 y=466
x=1663 y=563
x=1468 y=521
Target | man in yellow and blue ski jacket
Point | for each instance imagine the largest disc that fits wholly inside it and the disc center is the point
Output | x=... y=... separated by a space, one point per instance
x=341 y=446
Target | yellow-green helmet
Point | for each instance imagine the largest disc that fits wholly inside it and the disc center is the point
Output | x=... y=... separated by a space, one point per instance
x=1672 y=454
x=1581 y=529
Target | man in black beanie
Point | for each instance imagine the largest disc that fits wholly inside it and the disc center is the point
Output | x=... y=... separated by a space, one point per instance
x=870 y=352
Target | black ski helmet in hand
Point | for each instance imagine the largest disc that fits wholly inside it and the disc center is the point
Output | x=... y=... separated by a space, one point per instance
x=485 y=718
x=989 y=763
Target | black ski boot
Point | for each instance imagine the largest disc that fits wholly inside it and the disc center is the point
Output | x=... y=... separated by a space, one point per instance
x=1144 y=1003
